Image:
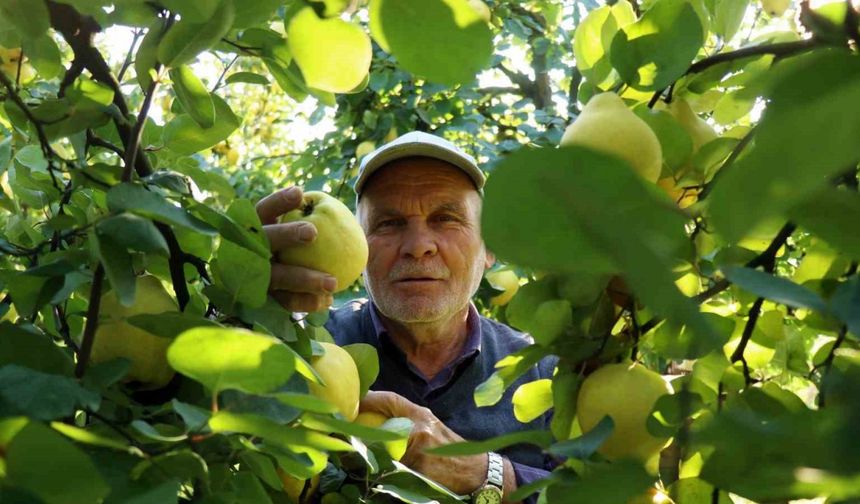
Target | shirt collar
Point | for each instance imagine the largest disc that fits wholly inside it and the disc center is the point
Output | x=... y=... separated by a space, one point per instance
x=473 y=328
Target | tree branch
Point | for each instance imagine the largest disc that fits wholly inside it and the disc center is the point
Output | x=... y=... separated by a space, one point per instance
x=92 y=322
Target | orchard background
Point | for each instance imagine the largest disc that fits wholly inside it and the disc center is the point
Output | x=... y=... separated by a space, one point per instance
x=737 y=276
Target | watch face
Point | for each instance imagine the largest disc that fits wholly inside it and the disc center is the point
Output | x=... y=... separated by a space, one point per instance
x=489 y=496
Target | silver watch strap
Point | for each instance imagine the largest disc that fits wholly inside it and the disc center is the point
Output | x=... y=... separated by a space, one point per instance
x=496 y=470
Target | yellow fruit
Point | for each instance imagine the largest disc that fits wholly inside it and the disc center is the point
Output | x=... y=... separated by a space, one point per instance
x=115 y=337
x=652 y=496
x=340 y=375
x=505 y=280
x=681 y=196
x=607 y=125
x=232 y=157
x=699 y=130
x=364 y=148
x=775 y=8
x=626 y=392
x=391 y=135
x=300 y=491
x=9 y=59
x=482 y=9
x=340 y=248
x=370 y=419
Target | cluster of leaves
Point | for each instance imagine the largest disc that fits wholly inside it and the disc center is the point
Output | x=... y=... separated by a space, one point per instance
x=751 y=295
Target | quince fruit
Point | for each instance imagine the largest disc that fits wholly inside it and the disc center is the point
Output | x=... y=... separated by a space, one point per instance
x=396 y=449
x=299 y=491
x=9 y=62
x=364 y=148
x=626 y=392
x=505 y=280
x=340 y=375
x=775 y=8
x=115 y=337
x=340 y=248
x=607 y=125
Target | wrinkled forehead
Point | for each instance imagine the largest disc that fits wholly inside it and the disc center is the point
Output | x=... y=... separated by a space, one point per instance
x=418 y=181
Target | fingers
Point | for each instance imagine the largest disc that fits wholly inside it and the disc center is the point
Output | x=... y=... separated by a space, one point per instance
x=278 y=203
x=302 y=301
x=391 y=405
x=286 y=277
x=291 y=234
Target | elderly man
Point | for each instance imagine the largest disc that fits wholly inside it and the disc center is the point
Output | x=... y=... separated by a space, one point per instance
x=419 y=203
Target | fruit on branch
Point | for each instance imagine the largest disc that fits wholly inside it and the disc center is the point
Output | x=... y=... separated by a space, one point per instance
x=627 y=393
x=342 y=383
x=775 y=8
x=364 y=148
x=607 y=125
x=700 y=134
x=300 y=491
x=340 y=248
x=116 y=337
x=682 y=196
x=9 y=62
x=504 y=280
x=396 y=449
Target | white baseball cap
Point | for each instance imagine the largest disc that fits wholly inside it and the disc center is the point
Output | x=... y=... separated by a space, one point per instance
x=418 y=143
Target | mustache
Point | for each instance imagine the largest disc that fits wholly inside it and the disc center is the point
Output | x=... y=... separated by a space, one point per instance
x=415 y=270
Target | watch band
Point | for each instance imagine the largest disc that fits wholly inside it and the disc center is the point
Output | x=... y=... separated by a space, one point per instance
x=496 y=470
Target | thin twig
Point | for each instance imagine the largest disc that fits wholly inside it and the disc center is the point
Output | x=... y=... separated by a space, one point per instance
x=733 y=156
x=127 y=63
x=137 y=129
x=223 y=73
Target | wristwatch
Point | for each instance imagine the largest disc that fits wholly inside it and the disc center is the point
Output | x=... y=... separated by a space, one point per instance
x=493 y=488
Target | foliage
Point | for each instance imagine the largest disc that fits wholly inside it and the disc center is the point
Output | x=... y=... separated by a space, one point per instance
x=748 y=298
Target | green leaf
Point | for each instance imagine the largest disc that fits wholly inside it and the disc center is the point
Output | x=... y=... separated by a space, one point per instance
x=395 y=430
x=460 y=38
x=92 y=438
x=183 y=135
x=584 y=446
x=254 y=13
x=137 y=200
x=509 y=368
x=45 y=463
x=675 y=143
x=532 y=400
x=367 y=361
x=232 y=358
x=617 y=482
x=728 y=17
x=248 y=78
x=243 y=273
x=774 y=288
x=671 y=342
x=193 y=96
x=30 y=18
x=34 y=350
x=833 y=215
x=671 y=411
x=147 y=54
x=186 y=39
x=540 y=438
x=844 y=304
x=551 y=319
x=133 y=232
x=118 y=267
x=169 y=324
x=42 y=396
x=196 y=11
x=780 y=171
x=565 y=389
x=593 y=38
x=44 y=55
x=280 y=435
x=334 y=54
x=655 y=51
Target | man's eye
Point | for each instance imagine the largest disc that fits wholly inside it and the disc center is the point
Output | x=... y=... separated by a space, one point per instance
x=387 y=223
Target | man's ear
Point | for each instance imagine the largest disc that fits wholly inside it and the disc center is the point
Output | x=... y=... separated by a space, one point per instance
x=489 y=260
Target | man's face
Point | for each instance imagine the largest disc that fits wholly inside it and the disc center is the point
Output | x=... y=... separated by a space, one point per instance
x=422 y=220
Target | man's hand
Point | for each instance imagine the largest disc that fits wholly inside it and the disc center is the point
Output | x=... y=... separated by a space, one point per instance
x=462 y=475
x=296 y=288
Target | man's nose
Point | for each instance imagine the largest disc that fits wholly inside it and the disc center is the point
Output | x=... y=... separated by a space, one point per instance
x=418 y=241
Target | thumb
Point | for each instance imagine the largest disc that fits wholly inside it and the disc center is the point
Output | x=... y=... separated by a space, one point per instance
x=389 y=404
